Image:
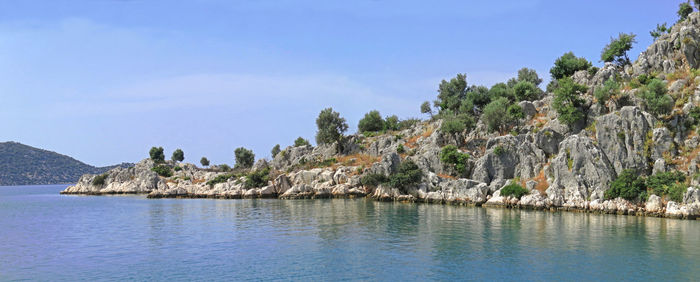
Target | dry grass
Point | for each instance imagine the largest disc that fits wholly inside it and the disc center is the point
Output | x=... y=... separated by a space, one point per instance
x=446 y=176
x=355 y=160
x=541 y=182
x=411 y=142
x=198 y=180
x=683 y=162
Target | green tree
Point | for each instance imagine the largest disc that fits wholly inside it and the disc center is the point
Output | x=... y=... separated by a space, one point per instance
x=608 y=89
x=515 y=113
x=244 y=158
x=499 y=90
x=525 y=74
x=275 y=150
x=452 y=124
x=567 y=100
x=567 y=65
x=452 y=156
x=476 y=96
x=426 y=109
x=372 y=121
x=684 y=9
x=514 y=190
x=204 y=161
x=660 y=30
x=300 y=141
x=451 y=93
x=156 y=154
x=391 y=123
x=617 y=49
x=495 y=115
x=224 y=167
x=408 y=174
x=178 y=155
x=654 y=94
x=330 y=126
x=627 y=185
x=526 y=91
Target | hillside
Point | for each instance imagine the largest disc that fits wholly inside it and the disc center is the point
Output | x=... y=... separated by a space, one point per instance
x=25 y=165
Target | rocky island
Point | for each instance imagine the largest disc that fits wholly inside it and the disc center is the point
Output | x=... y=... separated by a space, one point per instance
x=619 y=139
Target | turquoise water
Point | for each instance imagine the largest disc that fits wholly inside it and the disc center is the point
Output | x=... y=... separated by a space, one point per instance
x=47 y=236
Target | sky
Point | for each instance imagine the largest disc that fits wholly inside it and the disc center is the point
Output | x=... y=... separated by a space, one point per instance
x=104 y=81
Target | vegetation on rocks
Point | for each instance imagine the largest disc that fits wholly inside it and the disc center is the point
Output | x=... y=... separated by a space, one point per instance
x=100 y=179
x=330 y=126
x=258 y=178
x=567 y=65
x=372 y=121
x=567 y=101
x=163 y=170
x=300 y=141
x=244 y=158
x=616 y=50
x=513 y=190
x=275 y=150
x=628 y=185
x=407 y=174
x=204 y=161
x=178 y=155
x=157 y=154
x=654 y=94
x=452 y=156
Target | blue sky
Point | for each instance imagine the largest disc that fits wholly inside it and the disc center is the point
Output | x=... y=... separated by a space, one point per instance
x=103 y=81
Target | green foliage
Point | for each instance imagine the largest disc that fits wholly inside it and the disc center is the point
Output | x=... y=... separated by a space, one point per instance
x=177 y=168
x=163 y=170
x=593 y=70
x=696 y=4
x=450 y=94
x=178 y=155
x=660 y=30
x=608 y=89
x=529 y=75
x=499 y=90
x=372 y=121
x=391 y=123
x=407 y=123
x=498 y=150
x=526 y=91
x=400 y=149
x=654 y=94
x=684 y=9
x=695 y=114
x=301 y=142
x=567 y=65
x=275 y=150
x=373 y=179
x=408 y=174
x=330 y=126
x=567 y=100
x=644 y=78
x=515 y=113
x=221 y=178
x=156 y=154
x=661 y=183
x=676 y=192
x=514 y=190
x=224 y=167
x=258 y=178
x=426 y=109
x=244 y=158
x=495 y=114
x=204 y=161
x=455 y=124
x=99 y=180
x=451 y=155
x=627 y=185
x=617 y=49
x=476 y=96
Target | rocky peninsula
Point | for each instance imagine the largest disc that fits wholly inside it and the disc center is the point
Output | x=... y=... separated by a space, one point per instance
x=586 y=158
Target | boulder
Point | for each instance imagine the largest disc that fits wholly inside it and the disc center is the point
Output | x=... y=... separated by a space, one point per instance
x=622 y=137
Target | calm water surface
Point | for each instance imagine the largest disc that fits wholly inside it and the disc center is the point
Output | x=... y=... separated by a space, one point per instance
x=47 y=236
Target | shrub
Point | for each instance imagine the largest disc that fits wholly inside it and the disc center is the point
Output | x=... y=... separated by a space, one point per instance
x=514 y=190
x=373 y=179
x=529 y=75
x=455 y=124
x=450 y=155
x=495 y=115
x=407 y=123
x=221 y=178
x=627 y=185
x=204 y=161
x=695 y=114
x=498 y=150
x=660 y=183
x=224 y=167
x=400 y=149
x=177 y=168
x=603 y=93
x=178 y=155
x=408 y=174
x=99 y=180
x=301 y=142
x=567 y=65
x=515 y=113
x=391 y=123
x=244 y=158
x=275 y=150
x=593 y=70
x=156 y=154
x=526 y=91
x=499 y=90
x=372 y=121
x=258 y=178
x=617 y=49
x=330 y=126
x=684 y=9
x=655 y=97
x=476 y=96
x=163 y=170
x=567 y=100
x=660 y=30
x=676 y=192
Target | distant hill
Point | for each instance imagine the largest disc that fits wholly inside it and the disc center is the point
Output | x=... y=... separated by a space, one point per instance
x=25 y=165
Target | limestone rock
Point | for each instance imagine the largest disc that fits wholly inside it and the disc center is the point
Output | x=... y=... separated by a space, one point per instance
x=622 y=136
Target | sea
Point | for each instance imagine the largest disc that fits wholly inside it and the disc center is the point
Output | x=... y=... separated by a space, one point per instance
x=45 y=236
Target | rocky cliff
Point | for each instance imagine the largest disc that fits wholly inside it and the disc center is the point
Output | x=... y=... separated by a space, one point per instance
x=562 y=167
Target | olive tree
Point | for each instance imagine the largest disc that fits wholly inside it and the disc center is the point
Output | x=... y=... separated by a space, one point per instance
x=330 y=126
x=567 y=65
x=156 y=154
x=617 y=49
x=244 y=158
x=372 y=121
x=567 y=100
x=426 y=109
x=204 y=161
x=178 y=155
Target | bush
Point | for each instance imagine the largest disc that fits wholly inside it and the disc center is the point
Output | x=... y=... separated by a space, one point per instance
x=660 y=30
x=220 y=179
x=655 y=97
x=695 y=114
x=450 y=155
x=407 y=123
x=495 y=115
x=224 y=167
x=400 y=149
x=330 y=126
x=676 y=192
x=499 y=90
x=177 y=168
x=204 y=161
x=258 y=178
x=244 y=158
x=476 y=96
x=684 y=9
x=526 y=91
x=372 y=121
x=455 y=124
x=301 y=142
x=628 y=185
x=514 y=190
x=567 y=65
x=603 y=93
x=99 y=180
x=567 y=100
x=408 y=174
x=617 y=49
x=391 y=123
x=163 y=170
x=515 y=113
x=499 y=150
x=660 y=183
x=156 y=154
x=275 y=150
x=373 y=179
x=529 y=75
x=178 y=155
